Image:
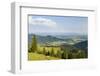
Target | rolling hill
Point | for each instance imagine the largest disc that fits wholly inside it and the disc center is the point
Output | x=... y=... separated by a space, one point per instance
x=67 y=39
x=82 y=45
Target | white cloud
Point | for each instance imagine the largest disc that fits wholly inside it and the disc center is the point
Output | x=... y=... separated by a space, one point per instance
x=42 y=21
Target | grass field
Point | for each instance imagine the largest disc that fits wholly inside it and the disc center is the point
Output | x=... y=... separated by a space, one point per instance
x=36 y=56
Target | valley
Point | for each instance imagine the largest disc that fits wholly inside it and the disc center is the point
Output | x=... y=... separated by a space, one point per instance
x=54 y=47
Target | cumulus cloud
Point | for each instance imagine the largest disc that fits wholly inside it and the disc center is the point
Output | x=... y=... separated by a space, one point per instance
x=42 y=21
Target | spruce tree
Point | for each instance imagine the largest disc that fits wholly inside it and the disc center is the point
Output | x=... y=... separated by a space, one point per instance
x=65 y=55
x=52 y=52
x=34 y=44
x=44 y=51
x=59 y=54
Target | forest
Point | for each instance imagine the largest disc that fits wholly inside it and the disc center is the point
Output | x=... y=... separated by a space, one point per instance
x=56 y=47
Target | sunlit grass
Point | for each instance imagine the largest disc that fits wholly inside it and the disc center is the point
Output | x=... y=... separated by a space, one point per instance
x=36 y=56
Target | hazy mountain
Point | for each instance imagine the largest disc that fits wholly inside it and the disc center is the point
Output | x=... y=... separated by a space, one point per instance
x=58 y=39
x=59 y=34
x=45 y=39
x=82 y=45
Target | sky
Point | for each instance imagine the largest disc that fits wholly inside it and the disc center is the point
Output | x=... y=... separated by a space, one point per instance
x=57 y=24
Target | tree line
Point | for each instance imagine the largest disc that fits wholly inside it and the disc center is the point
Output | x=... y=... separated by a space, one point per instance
x=62 y=54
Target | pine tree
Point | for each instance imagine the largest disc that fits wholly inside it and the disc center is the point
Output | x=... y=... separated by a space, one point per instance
x=34 y=44
x=52 y=52
x=44 y=51
x=81 y=54
x=64 y=55
x=59 y=54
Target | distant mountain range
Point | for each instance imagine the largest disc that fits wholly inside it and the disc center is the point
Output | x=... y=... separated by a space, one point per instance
x=69 y=39
x=72 y=42
x=59 y=34
x=44 y=39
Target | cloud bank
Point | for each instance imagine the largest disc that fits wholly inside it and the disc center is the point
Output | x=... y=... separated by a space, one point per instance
x=42 y=21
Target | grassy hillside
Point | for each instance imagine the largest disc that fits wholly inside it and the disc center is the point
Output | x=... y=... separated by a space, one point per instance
x=36 y=56
x=52 y=48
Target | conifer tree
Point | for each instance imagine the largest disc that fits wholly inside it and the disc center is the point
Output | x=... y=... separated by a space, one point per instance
x=52 y=52
x=44 y=51
x=59 y=54
x=65 y=55
x=34 y=44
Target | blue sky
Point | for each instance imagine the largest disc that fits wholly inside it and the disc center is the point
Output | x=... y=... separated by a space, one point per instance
x=58 y=24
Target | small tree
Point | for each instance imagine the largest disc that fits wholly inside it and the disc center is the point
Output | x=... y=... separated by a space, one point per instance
x=59 y=54
x=64 y=55
x=33 y=47
x=44 y=51
x=52 y=52
x=81 y=54
x=70 y=55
